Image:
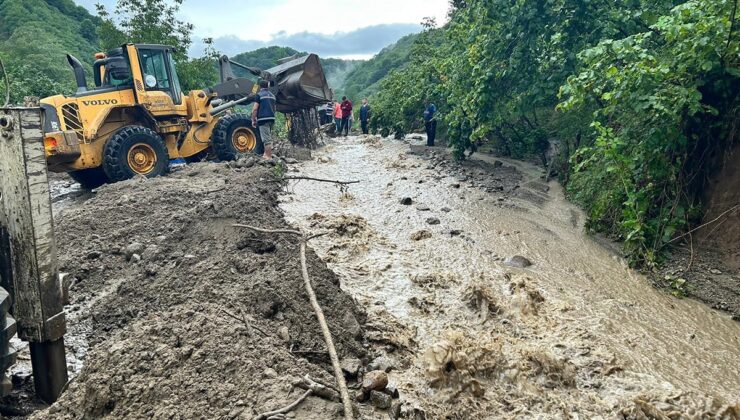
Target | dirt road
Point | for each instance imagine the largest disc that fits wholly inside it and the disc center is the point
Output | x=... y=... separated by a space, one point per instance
x=467 y=331
x=474 y=286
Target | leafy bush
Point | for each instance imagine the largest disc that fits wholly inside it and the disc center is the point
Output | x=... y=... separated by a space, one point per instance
x=661 y=100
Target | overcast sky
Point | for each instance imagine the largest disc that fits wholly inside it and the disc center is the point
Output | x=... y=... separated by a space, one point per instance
x=331 y=28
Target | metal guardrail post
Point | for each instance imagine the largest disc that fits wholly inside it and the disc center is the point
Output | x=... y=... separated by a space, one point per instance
x=29 y=250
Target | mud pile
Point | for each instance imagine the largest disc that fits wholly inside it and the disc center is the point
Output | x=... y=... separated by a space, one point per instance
x=186 y=315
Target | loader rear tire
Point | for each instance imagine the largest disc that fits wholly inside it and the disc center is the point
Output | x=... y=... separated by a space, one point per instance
x=234 y=136
x=90 y=178
x=135 y=150
x=7 y=352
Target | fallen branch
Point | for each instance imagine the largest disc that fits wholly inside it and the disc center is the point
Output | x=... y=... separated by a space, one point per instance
x=736 y=206
x=338 y=374
x=246 y=323
x=308 y=178
x=319 y=389
x=285 y=409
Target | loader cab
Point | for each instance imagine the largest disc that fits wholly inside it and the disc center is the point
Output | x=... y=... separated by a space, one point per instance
x=158 y=70
x=148 y=68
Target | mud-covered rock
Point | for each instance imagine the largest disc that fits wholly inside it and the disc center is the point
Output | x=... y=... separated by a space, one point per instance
x=518 y=261
x=382 y=363
x=375 y=380
x=351 y=367
x=380 y=400
x=432 y=221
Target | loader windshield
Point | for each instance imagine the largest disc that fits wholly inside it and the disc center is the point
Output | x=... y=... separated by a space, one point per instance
x=159 y=72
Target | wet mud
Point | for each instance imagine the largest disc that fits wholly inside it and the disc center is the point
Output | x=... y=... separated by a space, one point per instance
x=175 y=313
x=503 y=307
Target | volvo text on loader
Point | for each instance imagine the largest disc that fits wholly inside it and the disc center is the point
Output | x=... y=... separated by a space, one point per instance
x=136 y=119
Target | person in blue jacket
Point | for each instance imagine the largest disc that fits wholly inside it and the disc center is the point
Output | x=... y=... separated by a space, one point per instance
x=263 y=116
x=430 y=121
x=364 y=116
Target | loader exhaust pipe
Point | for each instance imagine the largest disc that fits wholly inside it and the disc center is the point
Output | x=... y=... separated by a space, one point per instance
x=79 y=73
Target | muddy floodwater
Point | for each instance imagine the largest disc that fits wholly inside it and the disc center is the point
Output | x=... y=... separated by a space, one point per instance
x=466 y=331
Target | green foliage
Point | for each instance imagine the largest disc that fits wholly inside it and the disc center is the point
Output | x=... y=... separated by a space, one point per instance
x=200 y=73
x=35 y=35
x=362 y=80
x=263 y=58
x=660 y=99
x=648 y=88
x=399 y=103
x=147 y=22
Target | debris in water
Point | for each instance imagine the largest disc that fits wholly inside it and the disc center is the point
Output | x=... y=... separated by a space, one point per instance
x=422 y=234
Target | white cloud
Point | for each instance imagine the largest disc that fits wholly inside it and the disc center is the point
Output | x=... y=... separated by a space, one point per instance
x=265 y=20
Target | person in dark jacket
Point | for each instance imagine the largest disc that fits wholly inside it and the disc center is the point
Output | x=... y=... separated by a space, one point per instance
x=346 y=108
x=263 y=116
x=364 y=116
x=430 y=122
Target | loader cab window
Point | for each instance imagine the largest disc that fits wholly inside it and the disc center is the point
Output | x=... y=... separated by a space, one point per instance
x=159 y=72
x=117 y=73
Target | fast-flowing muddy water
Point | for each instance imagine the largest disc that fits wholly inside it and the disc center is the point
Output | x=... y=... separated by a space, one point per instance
x=575 y=335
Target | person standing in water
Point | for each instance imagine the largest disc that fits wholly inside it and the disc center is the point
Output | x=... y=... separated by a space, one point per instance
x=365 y=116
x=346 y=108
x=338 y=116
x=430 y=122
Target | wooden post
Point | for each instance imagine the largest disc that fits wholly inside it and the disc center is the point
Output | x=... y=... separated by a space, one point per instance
x=28 y=250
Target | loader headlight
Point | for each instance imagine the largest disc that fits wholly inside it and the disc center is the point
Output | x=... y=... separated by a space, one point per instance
x=50 y=143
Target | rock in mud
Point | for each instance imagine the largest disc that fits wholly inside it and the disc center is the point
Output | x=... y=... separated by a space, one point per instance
x=422 y=207
x=291 y=161
x=407 y=201
x=94 y=255
x=392 y=390
x=518 y=261
x=432 y=221
x=380 y=400
x=497 y=164
x=375 y=380
x=351 y=367
x=134 y=248
x=284 y=334
x=446 y=209
x=420 y=235
x=382 y=363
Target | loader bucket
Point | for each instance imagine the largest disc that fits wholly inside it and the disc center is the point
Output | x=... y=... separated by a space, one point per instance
x=301 y=84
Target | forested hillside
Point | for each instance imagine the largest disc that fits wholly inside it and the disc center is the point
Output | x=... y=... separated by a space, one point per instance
x=362 y=80
x=35 y=35
x=640 y=97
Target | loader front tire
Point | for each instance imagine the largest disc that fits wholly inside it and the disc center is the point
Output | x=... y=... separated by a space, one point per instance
x=7 y=352
x=90 y=178
x=234 y=136
x=135 y=150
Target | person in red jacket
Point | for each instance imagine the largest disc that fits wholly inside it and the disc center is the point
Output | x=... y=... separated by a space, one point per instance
x=346 y=107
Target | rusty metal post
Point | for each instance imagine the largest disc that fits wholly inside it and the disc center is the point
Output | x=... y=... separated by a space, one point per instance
x=29 y=251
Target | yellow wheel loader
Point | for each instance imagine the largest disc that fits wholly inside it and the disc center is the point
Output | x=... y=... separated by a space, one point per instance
x=136 y=119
